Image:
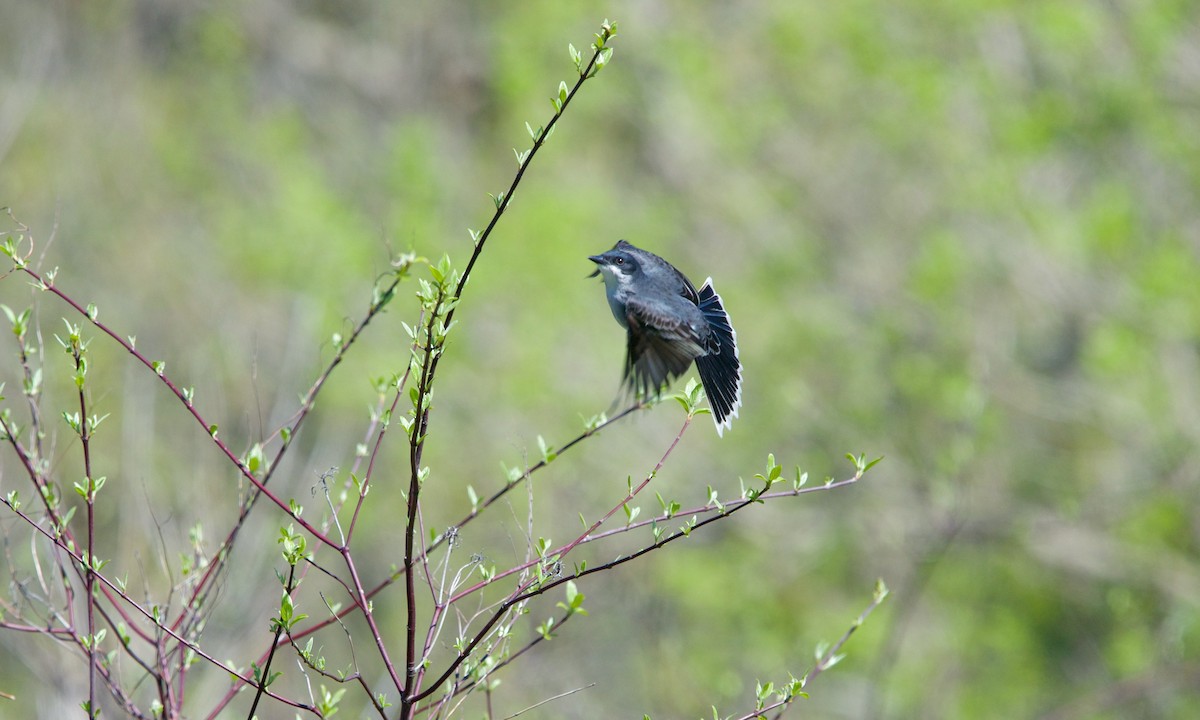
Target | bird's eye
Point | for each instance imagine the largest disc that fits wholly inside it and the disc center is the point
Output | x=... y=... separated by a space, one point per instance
x=620 y=261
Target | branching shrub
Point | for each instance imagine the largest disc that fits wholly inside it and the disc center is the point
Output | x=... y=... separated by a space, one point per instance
x=144 y=652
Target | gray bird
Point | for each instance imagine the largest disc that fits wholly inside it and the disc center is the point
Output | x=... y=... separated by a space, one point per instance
x=669 y=324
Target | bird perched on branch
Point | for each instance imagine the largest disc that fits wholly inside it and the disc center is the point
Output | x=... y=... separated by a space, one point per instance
x=669 y=324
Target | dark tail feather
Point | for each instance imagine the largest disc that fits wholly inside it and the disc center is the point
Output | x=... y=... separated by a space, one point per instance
x=720 y=370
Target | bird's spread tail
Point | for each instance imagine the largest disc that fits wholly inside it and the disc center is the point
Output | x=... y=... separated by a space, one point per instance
x=720 y=370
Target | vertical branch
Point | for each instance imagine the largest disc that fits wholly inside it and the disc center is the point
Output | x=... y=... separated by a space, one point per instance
x=264 y=677
x=432 y=349
x=442 y=307
x=378 y=443
x=32 y=378
x=561 y=101
x=33 y=457
x=83 y=426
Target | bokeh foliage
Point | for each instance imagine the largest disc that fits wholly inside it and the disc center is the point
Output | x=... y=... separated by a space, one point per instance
x=963 y=235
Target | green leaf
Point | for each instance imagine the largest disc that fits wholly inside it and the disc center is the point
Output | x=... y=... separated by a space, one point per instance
x=881 y=590
x=254 y=458
x=686 y=528
x=861 y=464
x=602 y=60
x=713 y=501
x=548 y=453
x=820 y=650
x=669 y=508
x=574 y=602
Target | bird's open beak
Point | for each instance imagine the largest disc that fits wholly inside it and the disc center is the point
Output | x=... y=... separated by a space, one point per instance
x=599 y=261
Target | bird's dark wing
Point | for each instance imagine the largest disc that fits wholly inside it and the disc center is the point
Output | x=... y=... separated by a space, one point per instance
x=661 y=347
x=688 y=290
x=719 y=367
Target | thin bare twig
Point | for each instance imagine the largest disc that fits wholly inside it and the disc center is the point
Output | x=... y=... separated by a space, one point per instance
x=549 y=700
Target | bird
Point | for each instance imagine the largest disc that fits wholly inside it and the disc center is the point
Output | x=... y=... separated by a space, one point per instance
x=669 y=324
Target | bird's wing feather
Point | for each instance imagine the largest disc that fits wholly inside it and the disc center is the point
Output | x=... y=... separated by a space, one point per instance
x=688 y=290
x=661 y=347
x=720 y=368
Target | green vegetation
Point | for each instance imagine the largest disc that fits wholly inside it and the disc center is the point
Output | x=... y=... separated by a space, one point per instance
x=963 y=236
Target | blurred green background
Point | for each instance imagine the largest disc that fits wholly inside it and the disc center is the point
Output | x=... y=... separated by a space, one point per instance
x=962 y=235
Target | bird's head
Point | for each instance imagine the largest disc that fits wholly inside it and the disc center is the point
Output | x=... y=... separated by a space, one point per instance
x=619 y=266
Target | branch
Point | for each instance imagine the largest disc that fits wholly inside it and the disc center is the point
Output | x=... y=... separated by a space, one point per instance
x=825 y=660
x=434 y=336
